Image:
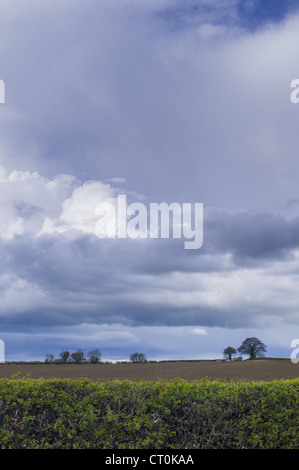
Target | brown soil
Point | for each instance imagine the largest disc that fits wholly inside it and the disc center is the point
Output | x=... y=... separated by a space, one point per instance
x=260 y=370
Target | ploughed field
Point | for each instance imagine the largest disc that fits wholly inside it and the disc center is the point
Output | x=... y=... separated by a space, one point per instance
x=259 y=370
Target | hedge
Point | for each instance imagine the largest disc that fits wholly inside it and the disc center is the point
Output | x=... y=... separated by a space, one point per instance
x=203 y=414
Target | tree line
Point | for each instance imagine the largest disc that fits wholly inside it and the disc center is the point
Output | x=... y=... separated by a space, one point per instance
x=77 y=357
x=93 y=357
x=250 y=346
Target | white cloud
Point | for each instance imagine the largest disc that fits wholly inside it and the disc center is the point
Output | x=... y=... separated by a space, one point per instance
x=79 y=211
x=19 y=296
x=27 y=198
x=35 y=205
x=116 y=179
x=199 y=331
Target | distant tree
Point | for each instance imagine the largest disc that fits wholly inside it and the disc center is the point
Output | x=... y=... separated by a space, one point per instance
x=64 y=356
x=78 y=356
x=138 y=358
x=49 y=358
x=253 y=347
x=229 y=352
x=94 y=356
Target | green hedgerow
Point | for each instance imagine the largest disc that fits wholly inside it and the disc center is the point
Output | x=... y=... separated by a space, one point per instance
x=203 y=414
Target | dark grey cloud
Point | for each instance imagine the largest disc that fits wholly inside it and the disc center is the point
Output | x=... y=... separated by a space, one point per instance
x=248 y=235
x=80 y=278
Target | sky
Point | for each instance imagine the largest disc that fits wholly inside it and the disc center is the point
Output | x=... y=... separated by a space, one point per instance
x=184 y=101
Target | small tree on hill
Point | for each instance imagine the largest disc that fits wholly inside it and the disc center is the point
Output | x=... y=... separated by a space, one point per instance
x=253 y=347
x=229 y=352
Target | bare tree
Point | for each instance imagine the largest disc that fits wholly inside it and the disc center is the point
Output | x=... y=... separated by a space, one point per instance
x=138 y=358
x=94 y=356
x=49 y=358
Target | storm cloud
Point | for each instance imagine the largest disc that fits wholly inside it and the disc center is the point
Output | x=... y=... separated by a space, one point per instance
x=69 y=275
x=165 y=102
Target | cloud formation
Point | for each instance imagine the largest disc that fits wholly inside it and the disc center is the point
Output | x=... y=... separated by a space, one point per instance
x=162 y=102
x=54 y=264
